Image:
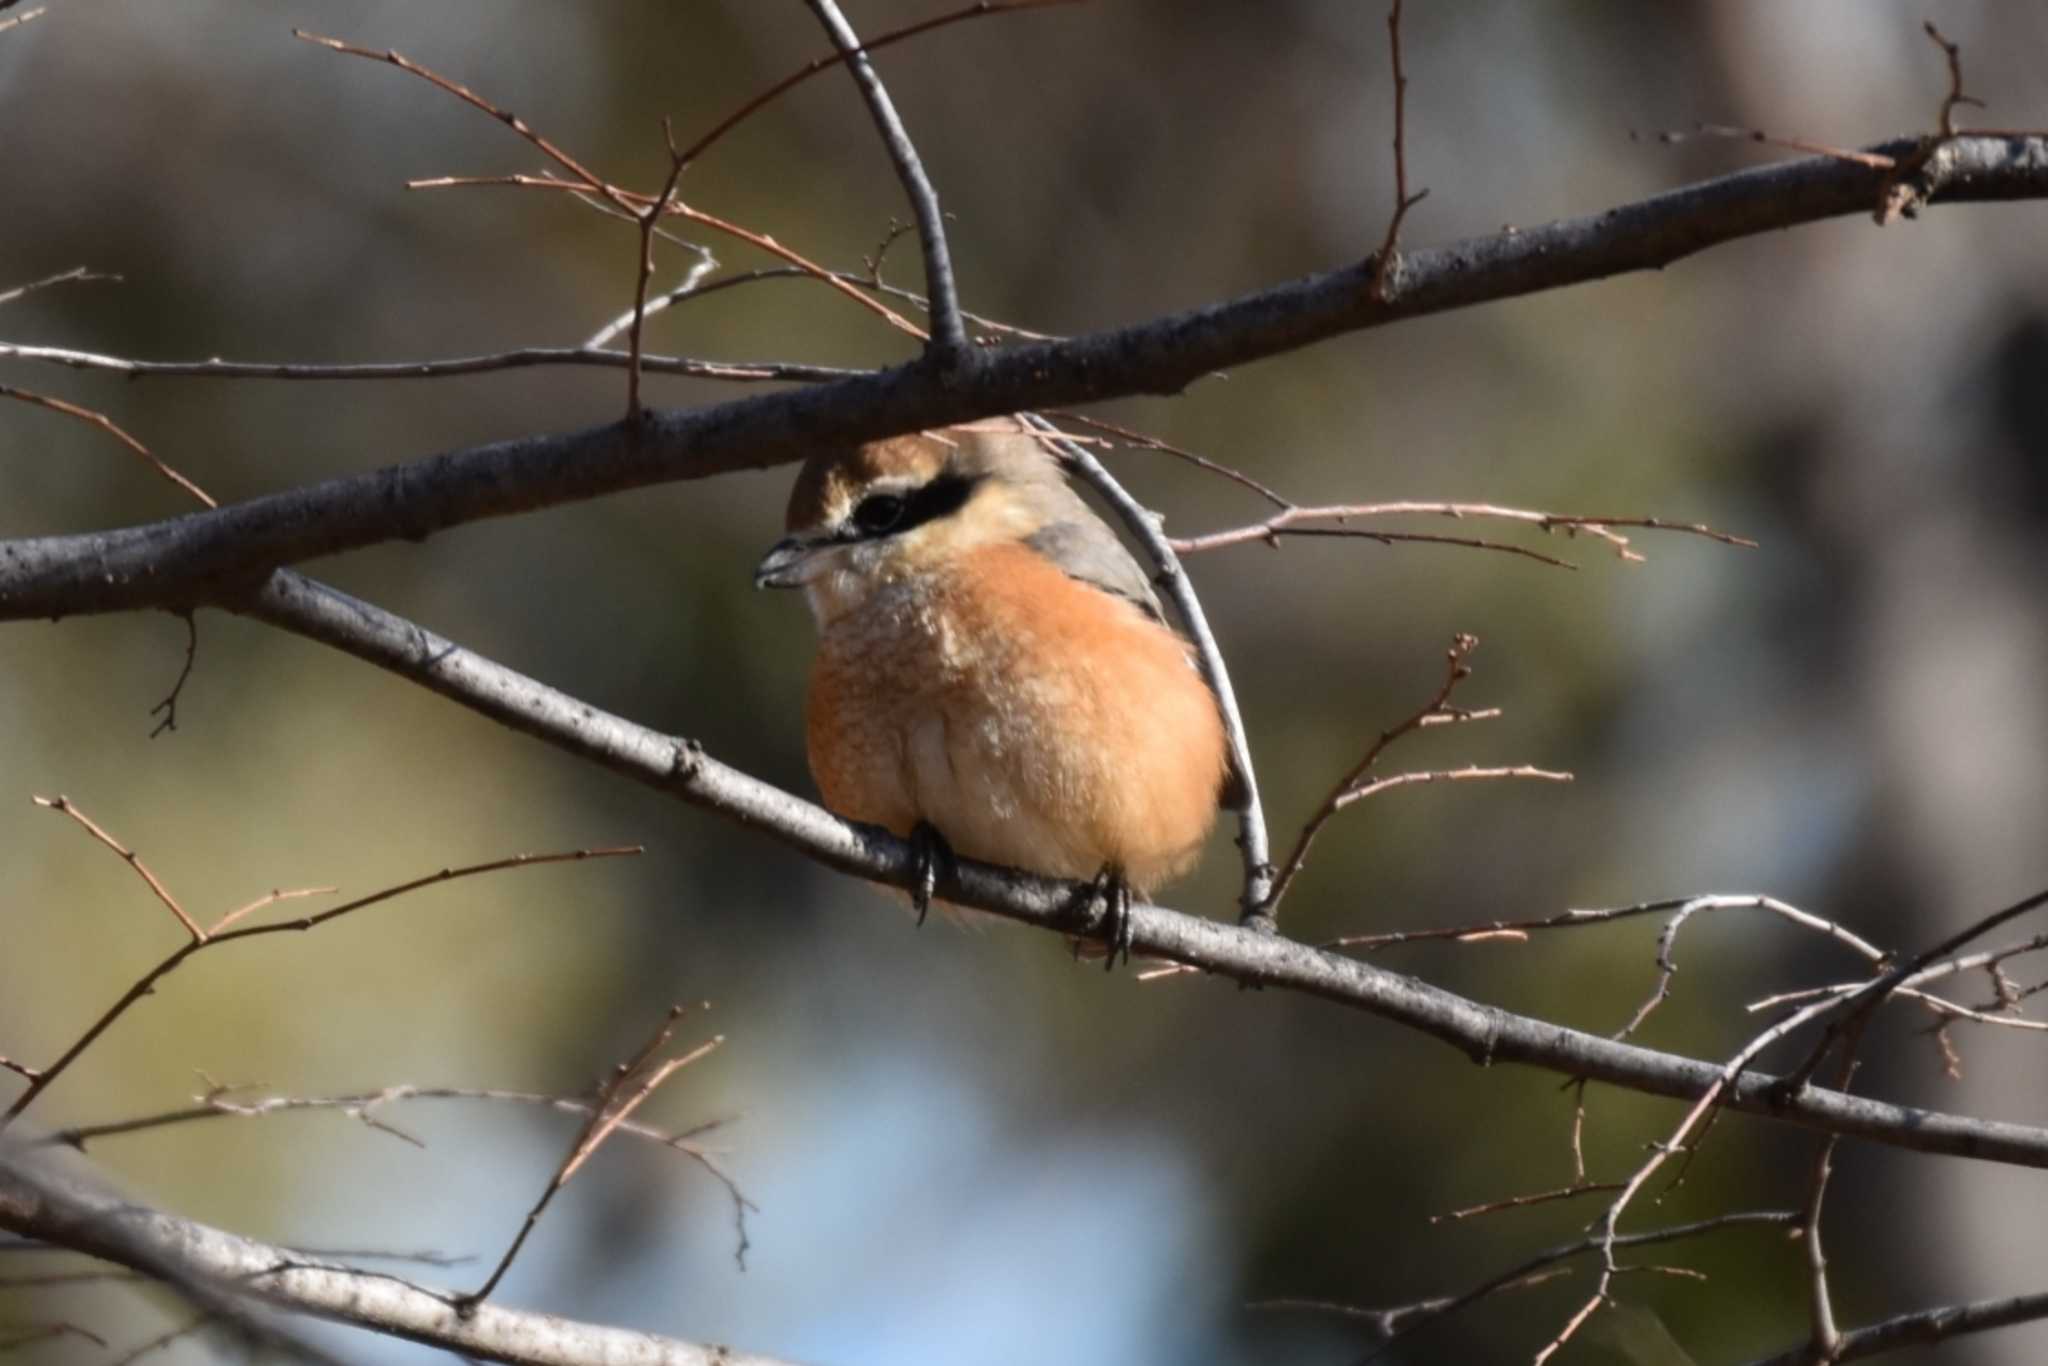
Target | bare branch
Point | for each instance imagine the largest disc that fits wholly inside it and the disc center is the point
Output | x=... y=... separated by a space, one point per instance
x=106 y=424
x=1252 y=841
x=65 y=806
x=1386 y=261
x=1290 y=516
x=818 y=64
x=1954 y=53
x=1850 y=1012
x=521 y=358
x=1944 y=1324
x=36 y=1203
x=948 y=339
x=168 y=708
x=682 y=769
x=146 y=984
x=1455 y=672
x=76 y=275
x=1397 y=1322
x=207 y=556
x=631 y=1084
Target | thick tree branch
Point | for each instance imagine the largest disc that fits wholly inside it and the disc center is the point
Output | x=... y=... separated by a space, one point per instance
x=1485 y=1033
x=1924 y=1326
x=36 y=1202
x=200 y=557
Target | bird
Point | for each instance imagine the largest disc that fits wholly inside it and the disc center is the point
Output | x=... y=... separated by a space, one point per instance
x=994 y=676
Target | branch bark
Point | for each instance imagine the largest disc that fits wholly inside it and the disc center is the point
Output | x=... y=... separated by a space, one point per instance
x=36 y=1202
x=1486 y=1034
x=203 y=557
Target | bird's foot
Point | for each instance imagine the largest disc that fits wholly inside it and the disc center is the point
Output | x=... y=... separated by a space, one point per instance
x=1114 y=893
x=928 y=853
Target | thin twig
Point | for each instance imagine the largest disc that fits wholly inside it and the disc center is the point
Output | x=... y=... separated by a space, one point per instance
x=1603 y=528
x=818 y=64
x=1608 y=1237
x=1386 y=262
x=363 y=1106
x=150 y=1346
x=1153 y=443
x=65 y=806
x=75 y=275
x=1667 y=966
x=106 y=424
x=1853 y=1010
x=635 y=201
x=270 y=898
x=1549 y=1197
x=690 y=290
x=1949 y=102
x=1470 y=773
x=1479 y=931
x=1876 y=161
x=644 y=268
x=586 y=181
x=146 y=984
x=1389 y=538
x=518 y=359
x=169 y=706
x=1826 y=1338
x=1456 y=671
x=1400 y=1321
x=631 y=1084
x=15 y=1336
x=693 y=283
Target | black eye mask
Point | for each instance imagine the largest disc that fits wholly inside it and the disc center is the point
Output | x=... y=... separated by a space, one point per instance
x=890 y=514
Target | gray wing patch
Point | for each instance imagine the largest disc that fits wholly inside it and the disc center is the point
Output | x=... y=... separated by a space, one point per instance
x=1089 y=551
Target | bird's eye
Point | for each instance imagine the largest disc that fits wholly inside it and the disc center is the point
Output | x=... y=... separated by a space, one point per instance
x=878 y=513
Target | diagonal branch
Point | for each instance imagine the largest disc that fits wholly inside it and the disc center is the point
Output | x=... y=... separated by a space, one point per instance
x=680 y=768
x=948 y=341
x=1252 y=840
x=226 y=1267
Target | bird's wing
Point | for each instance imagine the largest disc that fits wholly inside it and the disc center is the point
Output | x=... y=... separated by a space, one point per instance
x=1089 y=551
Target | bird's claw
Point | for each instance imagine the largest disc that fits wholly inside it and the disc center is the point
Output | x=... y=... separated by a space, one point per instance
x=1115 y=895
x=928 y=849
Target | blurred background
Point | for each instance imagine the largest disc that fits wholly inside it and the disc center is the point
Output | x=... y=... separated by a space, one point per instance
x=964 y=1147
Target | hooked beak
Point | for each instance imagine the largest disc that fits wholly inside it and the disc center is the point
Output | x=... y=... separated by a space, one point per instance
x=789 y=563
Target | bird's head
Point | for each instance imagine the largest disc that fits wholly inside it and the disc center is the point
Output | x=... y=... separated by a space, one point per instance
x=908 y=506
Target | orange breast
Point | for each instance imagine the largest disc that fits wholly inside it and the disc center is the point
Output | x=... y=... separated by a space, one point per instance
x=1034 y=720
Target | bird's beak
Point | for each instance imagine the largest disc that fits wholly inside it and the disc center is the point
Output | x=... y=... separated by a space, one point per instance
x=789 y=563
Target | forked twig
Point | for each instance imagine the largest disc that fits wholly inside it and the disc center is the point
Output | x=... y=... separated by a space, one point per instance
x=146 y=984
x=1350 y=788
x=1386 y=261
x=631 y=1084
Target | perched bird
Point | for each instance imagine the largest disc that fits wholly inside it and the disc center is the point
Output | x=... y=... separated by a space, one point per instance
x=994 y=674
